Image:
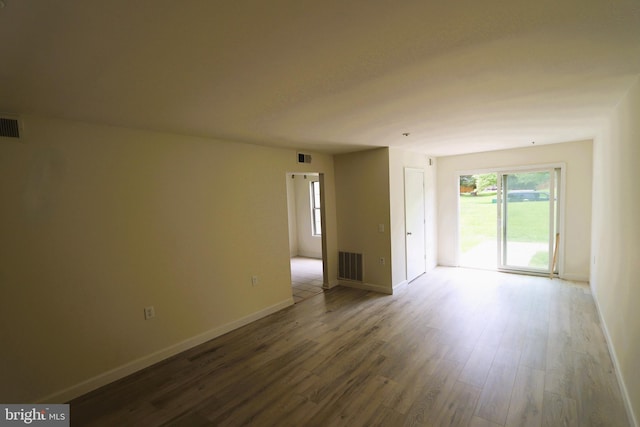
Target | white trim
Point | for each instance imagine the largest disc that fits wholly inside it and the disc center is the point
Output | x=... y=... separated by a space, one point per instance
x=616 y=367
x=451 y=265
x=366 y=286
x=511 y=169
x=562 y=188
x=574 y=278
x=314 y=255
x=456 y=234
x=323 y=244
x=145 y=361
x=332 y=284
x=402 y=284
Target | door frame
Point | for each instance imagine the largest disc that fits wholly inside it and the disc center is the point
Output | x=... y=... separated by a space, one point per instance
x=520 y=168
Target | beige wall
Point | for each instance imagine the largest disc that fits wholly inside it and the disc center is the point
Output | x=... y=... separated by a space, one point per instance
x=615 y=273
x=574 y=242
x=362 y=203
x=99 y=222
x=398 y=161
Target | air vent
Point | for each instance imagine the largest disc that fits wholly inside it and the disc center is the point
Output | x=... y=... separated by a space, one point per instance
x=350 y=266
x=304 y=158
x=9 y=128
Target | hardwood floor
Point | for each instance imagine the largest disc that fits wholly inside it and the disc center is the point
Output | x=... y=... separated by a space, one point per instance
x=455 y=347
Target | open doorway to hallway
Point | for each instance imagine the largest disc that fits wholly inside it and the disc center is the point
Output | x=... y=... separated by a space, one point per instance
x=306 y=242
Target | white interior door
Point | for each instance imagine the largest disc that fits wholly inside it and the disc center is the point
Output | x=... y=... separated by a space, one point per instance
x=414 y=222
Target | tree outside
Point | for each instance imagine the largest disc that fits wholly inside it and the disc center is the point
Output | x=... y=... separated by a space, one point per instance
x=467 y=184
x=486 y=181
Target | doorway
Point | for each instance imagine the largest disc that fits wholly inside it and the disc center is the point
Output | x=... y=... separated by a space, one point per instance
x=509 y=220
x=305 y=203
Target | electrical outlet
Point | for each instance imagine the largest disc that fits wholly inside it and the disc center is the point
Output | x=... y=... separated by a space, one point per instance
x=149 y=312
x=381 y=260
x=254 y=280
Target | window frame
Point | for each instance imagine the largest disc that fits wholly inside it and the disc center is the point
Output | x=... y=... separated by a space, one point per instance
x=316 y=218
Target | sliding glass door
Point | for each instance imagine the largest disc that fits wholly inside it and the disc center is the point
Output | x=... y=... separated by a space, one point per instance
x=527 y=220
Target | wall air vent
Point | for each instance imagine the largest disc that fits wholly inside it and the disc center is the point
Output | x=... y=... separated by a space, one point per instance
x=304 y=158
x=9 y=127
x=350 y=266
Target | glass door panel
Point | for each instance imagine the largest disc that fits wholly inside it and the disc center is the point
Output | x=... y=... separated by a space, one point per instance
x=478 y=244
x=528 y=220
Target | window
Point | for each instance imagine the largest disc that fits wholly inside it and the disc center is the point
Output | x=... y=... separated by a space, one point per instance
x=315 y=208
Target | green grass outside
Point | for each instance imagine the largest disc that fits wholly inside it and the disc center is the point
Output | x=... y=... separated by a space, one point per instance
x=540 y=260
x=478 y=218
x=527 y=221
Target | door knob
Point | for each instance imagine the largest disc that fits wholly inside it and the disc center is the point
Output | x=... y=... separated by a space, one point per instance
x=408 y=233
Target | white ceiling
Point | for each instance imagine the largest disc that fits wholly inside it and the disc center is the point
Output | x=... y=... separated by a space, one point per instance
x=328 y=75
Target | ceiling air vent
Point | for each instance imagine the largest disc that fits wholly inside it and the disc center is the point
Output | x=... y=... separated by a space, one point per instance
x=9 y=127
x=304 y=158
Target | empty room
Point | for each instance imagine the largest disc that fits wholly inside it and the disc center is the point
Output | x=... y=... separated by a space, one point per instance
x=319 y=213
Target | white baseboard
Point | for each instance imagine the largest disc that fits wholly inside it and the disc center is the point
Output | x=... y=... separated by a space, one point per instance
x=446 y=264
x=574 y=277
x=332 y=284
x=400 y=285
x=616 y=368
x=122 y=371
x=366 y=286
x=306 y=254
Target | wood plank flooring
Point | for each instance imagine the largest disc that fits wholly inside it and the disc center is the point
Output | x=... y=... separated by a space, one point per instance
x=454 y=348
